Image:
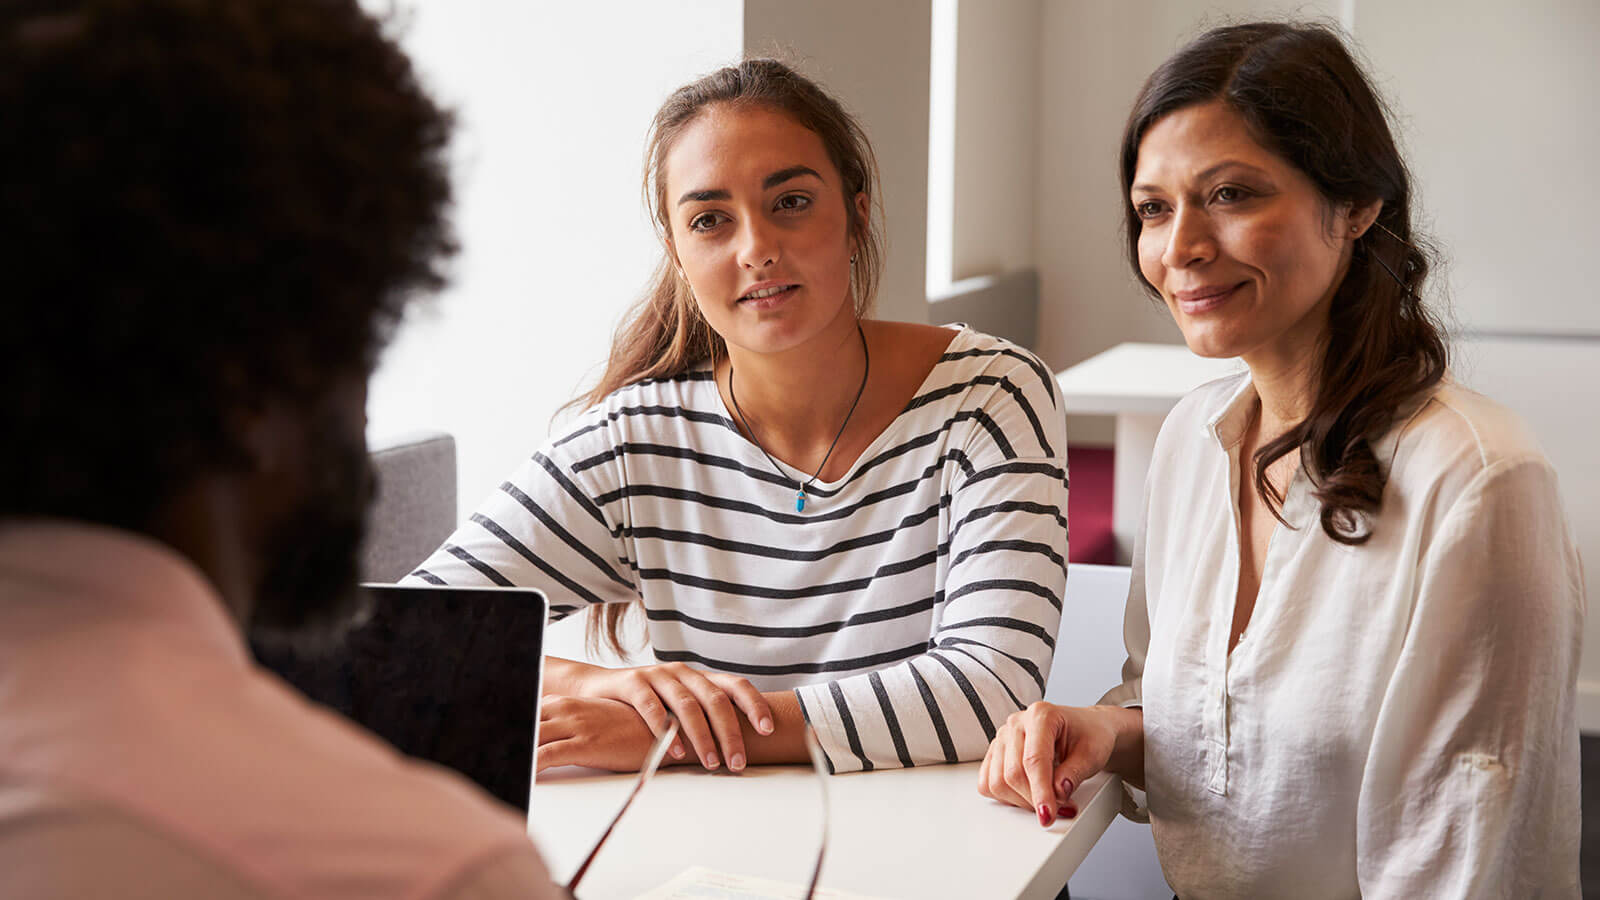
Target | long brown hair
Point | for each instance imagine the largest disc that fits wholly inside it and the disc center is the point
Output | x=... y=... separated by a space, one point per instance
x=664 y=335
x=1304 y=97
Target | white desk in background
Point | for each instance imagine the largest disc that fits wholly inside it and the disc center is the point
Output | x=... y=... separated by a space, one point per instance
x=898 y=834
x=1139 y=384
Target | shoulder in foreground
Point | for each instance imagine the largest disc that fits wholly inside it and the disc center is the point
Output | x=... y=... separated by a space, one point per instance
x=449 y=815
x=1460 y=424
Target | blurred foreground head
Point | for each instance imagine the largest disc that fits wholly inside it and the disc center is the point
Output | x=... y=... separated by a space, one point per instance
x=215 y=213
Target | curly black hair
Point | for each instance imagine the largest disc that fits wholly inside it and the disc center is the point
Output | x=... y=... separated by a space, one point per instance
x=208 y=205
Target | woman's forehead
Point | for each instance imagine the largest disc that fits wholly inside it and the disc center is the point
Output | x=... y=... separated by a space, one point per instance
x=731 y=146
x=1195 y=139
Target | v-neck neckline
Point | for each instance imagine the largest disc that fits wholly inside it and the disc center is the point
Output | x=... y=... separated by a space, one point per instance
x=828 y=488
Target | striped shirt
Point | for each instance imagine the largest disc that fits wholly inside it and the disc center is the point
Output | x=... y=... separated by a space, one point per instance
x=911 y=606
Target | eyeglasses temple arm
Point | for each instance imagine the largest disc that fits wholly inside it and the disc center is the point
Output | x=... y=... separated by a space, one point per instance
x=821 y=767
x=651 y=762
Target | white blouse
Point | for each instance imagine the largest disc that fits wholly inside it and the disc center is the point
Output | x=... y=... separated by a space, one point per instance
x=1398 y=719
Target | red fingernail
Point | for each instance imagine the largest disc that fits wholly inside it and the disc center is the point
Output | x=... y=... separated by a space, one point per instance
x=1045 y=816
x=1071 y=813
x=1066 y=787
x=1065 y=812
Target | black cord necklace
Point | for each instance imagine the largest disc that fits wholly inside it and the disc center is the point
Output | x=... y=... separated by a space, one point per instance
x=800 y=495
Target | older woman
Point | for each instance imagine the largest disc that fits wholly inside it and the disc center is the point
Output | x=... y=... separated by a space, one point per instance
x=1356 y=606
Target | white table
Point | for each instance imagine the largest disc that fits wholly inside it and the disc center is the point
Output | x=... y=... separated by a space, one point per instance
x=1139 y=384
x=900 y=834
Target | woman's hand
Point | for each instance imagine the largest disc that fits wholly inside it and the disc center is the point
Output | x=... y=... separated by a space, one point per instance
x=584 y=731
x=707 y=706
x=1043 y=753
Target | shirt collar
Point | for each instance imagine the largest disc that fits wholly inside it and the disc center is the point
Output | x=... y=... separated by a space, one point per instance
x=57 y=575
x=1226 y=426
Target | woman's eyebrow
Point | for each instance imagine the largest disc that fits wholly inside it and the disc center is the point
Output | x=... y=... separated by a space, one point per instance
x=767 y=183
x=1227 y=164
x=782 y=175
x=1209 y=173
x=704 y=196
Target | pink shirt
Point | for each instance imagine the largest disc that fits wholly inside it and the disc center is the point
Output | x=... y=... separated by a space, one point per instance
x=142 y=753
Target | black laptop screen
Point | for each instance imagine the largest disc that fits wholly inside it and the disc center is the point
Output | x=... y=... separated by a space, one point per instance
x=449 y=675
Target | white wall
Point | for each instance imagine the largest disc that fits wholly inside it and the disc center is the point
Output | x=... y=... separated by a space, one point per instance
x=997 y=105
x=1496 y=105
x=554 y=100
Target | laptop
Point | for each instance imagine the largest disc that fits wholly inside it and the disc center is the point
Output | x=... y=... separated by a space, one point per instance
x=451 y=675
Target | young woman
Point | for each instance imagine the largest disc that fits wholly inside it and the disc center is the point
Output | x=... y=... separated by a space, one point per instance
x=1356 y=607
x=826 y=518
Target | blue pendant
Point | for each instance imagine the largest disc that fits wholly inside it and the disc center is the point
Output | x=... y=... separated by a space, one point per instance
x=800 y=501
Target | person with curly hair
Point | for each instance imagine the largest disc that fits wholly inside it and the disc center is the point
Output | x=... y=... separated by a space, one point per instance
x=216 y=213
x=1356 y=606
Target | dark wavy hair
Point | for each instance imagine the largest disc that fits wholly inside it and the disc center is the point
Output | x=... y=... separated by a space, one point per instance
x=209 y=204
x=1304 y=97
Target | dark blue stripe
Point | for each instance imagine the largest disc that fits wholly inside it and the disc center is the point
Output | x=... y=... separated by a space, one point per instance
x=1027 y=665
x=505 y=537
x=889 y=719
x=871 y=661
x=1023 y=506
x=1035 y=547
x=844 y=512
x=849 y=722
x=971 y=694
x=429 y=577
x=483 y=568
x=572 y=489
x=934 y=715
x=1017 y=468
x=1047 y=380
x=773 y=593
x=806 y=714
x=652 y=411
x=763 y=550
x=1003 y=622
x=1006 y=584
x=579 y=547
x=801 y=631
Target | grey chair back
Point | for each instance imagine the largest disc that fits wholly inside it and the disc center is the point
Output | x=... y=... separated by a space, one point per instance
x=1089 y=648
x=415 y=507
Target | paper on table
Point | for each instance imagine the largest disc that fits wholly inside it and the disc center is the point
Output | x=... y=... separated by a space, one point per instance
x=701 y=883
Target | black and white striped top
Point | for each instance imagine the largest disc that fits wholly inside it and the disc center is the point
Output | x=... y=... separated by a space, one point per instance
x=912 y=606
